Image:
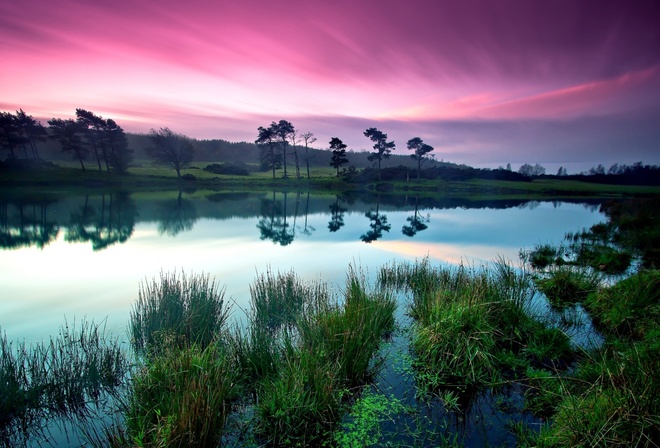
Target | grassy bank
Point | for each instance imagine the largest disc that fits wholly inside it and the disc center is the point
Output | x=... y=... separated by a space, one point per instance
x=145 y=177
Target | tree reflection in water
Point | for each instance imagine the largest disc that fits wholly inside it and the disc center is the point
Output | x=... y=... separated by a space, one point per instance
x=378 y=224
x=112 y=221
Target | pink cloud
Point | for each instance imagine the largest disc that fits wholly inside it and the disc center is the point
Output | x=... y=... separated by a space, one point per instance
x=196 y=65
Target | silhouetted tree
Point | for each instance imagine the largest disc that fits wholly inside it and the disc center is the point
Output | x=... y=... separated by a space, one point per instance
x=308 y=138
x=382 y=147
x=421 y=151
x=562 y=171
x=338 y=154
x=529 y=170
x=68 y=135
x=266 y=140
x=295 y=139
x=92 y=127
x=119 y=154
x=33 y=131
x=171 y=149
x=10 y=136
x=283 y=131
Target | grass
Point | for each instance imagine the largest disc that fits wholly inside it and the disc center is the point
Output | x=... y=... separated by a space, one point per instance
x=179 y=309
x=568 y=285
x=59 y=378
x=301 y=362
x=473 y=327
x=630 y=309
x=182 y=398
x=143 y=175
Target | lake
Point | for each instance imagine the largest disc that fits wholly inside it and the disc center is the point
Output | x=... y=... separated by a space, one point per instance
x=86 y=256
x=68 y=258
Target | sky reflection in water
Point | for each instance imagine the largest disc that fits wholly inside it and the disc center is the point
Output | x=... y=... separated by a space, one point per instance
x=41 y=288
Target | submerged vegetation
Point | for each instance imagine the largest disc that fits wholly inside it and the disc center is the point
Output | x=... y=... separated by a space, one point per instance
x=304 y=366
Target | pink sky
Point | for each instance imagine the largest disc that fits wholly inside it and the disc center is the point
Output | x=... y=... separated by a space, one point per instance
x=484 y=82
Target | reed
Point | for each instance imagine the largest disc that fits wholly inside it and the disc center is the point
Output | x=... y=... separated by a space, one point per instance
x=474 y=326
x=301 y=362
x=62 y=377
x=181 y=309
x=182 y=397
x=567 y=285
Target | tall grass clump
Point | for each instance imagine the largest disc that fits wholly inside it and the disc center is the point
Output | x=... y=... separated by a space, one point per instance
x=568 y=285
x=611 y=400
x=349 y=335
x=302 y=362
x=474 y=326
x=630 y=309
x=182 y=397
x=182 y=309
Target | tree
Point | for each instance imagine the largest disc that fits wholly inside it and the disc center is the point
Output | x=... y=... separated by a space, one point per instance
x=382 y=147
x=530 y=171
x=10 y=137
x=68 y=134
x=338 y=154
x=421 y=151
x=270 y=159
x=92 y=127
x=119 y=154
x=308 y=138
x=295 y=139
x=32 y=130
x=171 y=149
x=283 y=130
x=562 y=171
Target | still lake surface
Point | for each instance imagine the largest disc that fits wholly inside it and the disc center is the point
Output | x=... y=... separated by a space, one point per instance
x=84 y=257
x=66 y=259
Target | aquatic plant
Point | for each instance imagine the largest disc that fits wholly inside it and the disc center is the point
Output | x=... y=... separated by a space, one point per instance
x=182 y=309
x=182 y=397
x=60 y=378
x=567 y=285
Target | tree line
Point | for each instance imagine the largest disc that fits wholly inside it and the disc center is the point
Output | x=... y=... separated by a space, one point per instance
x=273 y=142
x=89 y=135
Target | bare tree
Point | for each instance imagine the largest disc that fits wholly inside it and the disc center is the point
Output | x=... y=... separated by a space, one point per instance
x=308 y=138
x=171 y=149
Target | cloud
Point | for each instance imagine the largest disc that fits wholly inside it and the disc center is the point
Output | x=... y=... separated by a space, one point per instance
x=482 y=80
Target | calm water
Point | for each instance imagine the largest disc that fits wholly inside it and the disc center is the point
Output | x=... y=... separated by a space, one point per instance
x=83 y=256
x=71 y=258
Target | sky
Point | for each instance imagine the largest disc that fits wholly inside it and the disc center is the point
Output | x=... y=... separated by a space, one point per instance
x=485 y=82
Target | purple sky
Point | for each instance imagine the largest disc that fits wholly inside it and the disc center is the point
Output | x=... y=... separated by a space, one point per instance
x=485 y=82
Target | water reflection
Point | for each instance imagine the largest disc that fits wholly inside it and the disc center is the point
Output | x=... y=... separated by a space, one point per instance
x=107 y=219
x=417 y=223
x=378 y=224
x=177 y=216
x=25 y=223
x=110 y=220
x=336 y=216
